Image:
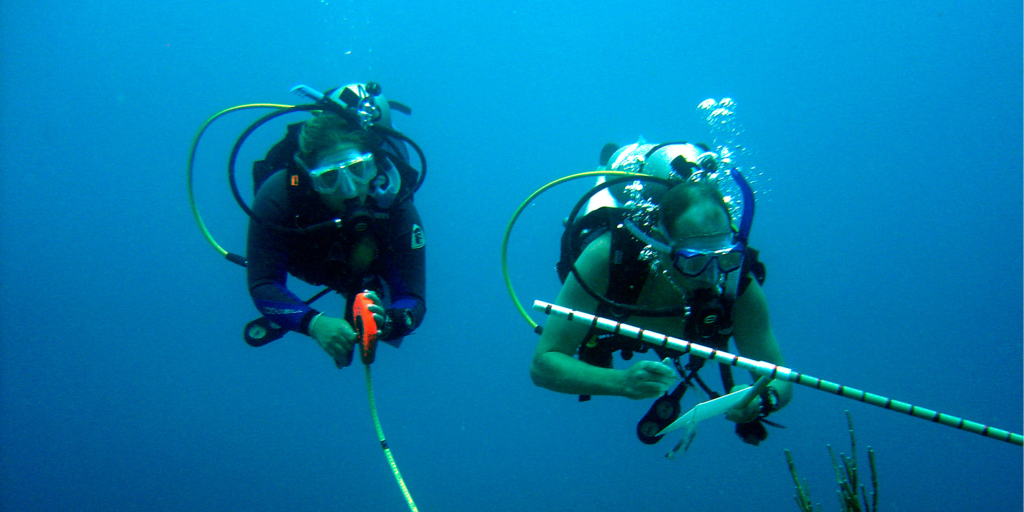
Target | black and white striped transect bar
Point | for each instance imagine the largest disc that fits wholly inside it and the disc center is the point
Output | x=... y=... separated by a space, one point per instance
x=774 y=371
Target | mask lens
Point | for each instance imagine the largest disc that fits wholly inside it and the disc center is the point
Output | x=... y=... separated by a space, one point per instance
x=342 y=177
x=691 y=264
x=362 y=169
x=327 y=178
x=731 y=260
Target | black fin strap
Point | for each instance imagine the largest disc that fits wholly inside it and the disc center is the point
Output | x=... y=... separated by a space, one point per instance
x=752 y=432
x=769 y=401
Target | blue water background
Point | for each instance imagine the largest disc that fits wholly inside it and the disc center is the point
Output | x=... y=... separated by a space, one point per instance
x=889 y=135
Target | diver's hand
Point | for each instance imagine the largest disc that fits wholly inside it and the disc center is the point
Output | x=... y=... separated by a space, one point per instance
x=746 y=414
x=377 y=309
x=647 y=379
x=335 y=336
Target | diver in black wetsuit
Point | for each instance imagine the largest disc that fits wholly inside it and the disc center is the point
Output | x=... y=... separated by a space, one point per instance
x=340 y=172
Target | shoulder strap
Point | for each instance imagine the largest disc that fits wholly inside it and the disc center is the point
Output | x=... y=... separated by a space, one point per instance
x=627 y=273
x=280 y=156
x=578 y=235
x=626 y=277
x=751 y=266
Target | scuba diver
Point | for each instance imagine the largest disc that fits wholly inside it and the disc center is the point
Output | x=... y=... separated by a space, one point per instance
x=665 y=251
x=334 y=207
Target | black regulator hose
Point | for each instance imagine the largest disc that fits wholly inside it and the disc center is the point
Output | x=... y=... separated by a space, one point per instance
x=630 y=308
x=334 y=223
x=234 y=183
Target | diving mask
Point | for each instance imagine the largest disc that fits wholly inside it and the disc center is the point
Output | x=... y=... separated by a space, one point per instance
x=699 y=252
x=695 y=254
x=343 y=177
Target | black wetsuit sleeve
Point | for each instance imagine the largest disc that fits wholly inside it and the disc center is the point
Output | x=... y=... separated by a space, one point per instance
x=405 y=269
x=268 y=251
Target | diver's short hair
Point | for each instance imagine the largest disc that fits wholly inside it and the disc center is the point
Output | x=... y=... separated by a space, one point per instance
x=324 y=132
x=680 y=198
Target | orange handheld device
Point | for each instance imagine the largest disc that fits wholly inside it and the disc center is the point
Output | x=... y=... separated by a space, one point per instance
x=366 y=326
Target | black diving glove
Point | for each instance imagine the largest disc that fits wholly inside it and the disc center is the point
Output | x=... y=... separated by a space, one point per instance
x=398 y=322
x=753 y=432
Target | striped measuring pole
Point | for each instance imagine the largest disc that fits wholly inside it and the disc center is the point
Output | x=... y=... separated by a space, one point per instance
x=774 y=371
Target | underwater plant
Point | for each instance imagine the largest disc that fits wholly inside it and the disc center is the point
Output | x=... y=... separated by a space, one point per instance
x=851 y=492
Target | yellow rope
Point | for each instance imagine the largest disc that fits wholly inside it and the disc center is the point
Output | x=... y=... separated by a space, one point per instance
x=384 y=443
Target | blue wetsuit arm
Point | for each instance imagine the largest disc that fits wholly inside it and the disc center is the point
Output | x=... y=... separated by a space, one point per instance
x=405 y=272
x=268 y=252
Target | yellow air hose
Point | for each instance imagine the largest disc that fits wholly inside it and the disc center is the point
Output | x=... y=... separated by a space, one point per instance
x=515 y=216
x=192 y=160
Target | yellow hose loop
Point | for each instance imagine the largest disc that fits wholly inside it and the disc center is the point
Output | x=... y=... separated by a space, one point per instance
x=515 y=216
x=191 y=164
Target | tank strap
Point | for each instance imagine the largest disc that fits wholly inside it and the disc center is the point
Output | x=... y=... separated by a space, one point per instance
x=751 y=267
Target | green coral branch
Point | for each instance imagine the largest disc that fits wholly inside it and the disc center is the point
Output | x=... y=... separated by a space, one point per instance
x=803 y=491
x=851 y=492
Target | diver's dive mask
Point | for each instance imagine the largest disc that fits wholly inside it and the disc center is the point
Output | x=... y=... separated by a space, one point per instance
x=695 y=255
x=345 y=177
x=698 y=253
x=342 y=177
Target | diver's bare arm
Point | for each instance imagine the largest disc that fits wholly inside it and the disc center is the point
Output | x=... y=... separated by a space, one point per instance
x=554 y=366
x=752 y=331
